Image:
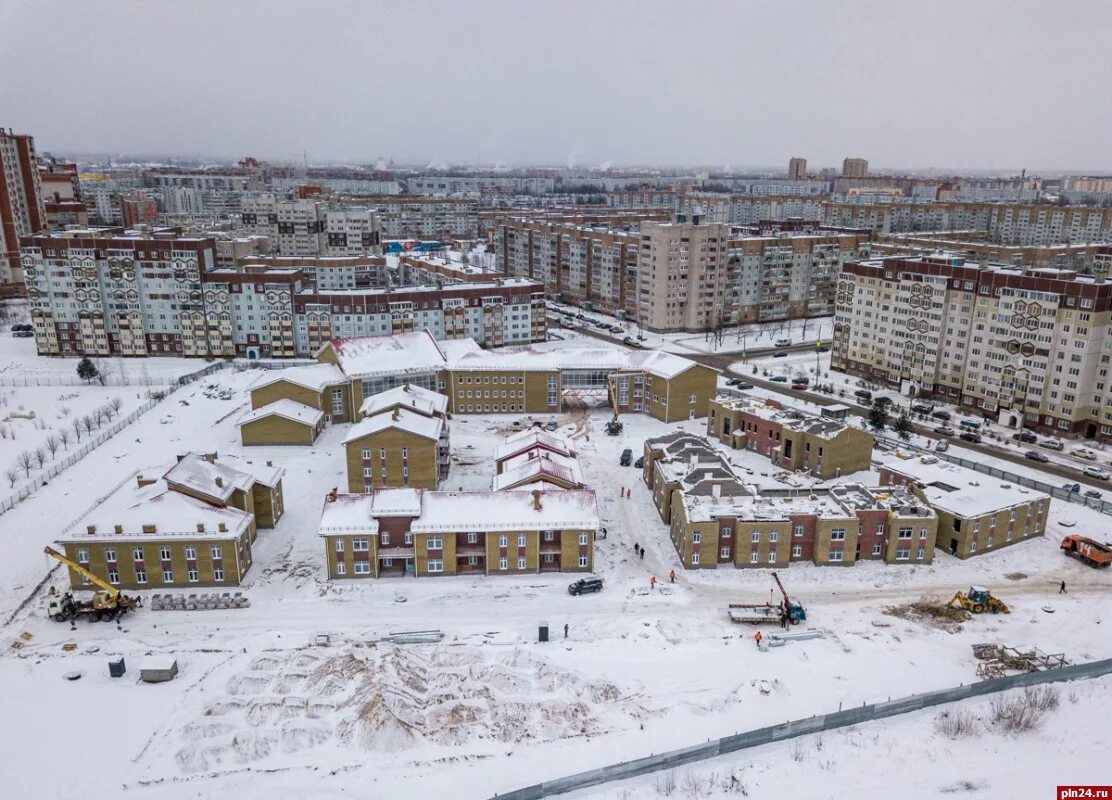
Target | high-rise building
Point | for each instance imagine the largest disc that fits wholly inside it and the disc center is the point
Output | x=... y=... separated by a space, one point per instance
x=21 y=206
x=855 y=168
x=138 y=209
x=797 y=168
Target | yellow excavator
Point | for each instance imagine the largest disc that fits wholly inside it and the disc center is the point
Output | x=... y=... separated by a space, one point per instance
x=979 y=600
x=108 y=602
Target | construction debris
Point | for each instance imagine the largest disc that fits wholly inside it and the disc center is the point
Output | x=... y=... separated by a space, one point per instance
x=414 y=637
x=796 y=636
x=202 y=602
x=998 y=660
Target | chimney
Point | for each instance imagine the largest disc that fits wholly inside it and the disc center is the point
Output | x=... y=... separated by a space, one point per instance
x=536 y=499
x=219 y=482
x=91 y=529
x=119 y=528
x=150 y=529
x=331 y=497
x=270 y=463
x=200 y=527
x=397 y=412
x=716 y=491
x=223 y=527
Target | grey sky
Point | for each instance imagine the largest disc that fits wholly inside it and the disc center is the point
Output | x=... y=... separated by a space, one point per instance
x=976 y=83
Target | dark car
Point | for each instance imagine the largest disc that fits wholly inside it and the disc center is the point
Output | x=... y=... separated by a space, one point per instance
x=1094 y=494
x=864 y=394
x=921 y=408
x=1072 y=487
x=823 y=348
x=779 y=379
x=969 y=436
x=585 y=585
x=640 y=463
x=780 y=354
x=802 y=380
x=733 y=382
x=743 y=385
x=942 y=415
x=627 y=457
x=1035 y=455
x=1026 y=437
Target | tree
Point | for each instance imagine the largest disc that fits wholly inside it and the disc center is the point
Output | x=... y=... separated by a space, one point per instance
x=116 y=403
x=88 y=424
x=52 y=443
x=77 y=428
x=64 y=438
x=903 y=426
x=12 y=474
x=878 y=417
x=40 y=456
x=87 y=370
x=25 y=461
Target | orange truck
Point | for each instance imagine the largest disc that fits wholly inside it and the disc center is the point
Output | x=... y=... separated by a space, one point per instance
x=1089 y=551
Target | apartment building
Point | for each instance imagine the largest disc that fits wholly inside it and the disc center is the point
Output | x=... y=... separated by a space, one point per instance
x=415 y=217
x=296 y=227
x=793 y=440
x=21 y=205
x=797 y=168
x=351 y=232
x=329 y=273
x=397 y=448
x=402 y=532
x=1026 y=347
x=977 y=514
x=855 y=168
x=292 y=406
x=536 y=460
x=973 y=246
x=415 y=270
x=191 y=525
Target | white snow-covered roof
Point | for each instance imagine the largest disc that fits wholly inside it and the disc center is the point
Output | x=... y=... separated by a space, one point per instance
x=311 y=376
x=400 y=419
x=960 y=491
x=506 y=511
x=171 y=513
x=212 y=479
x=523 y=441
x=357 y=513
x=536 y=465
x=417 y=398
x=289 y=409
x=405 y=353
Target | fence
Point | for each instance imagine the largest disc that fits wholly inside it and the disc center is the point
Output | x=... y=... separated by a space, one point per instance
x=109 y=379
x=25 y=491
x=801 y=727
x=1057 y=491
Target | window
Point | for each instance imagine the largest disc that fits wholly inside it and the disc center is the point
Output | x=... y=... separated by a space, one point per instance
x=521 y=540
x=835 y=555
x=773 y=536
x=521 y=563
x=583 y=561
x=752 y=558
x=905 y=533
x=876 y=549
x=137 y=553
x=140 y=576
x=366 y=453
x=903 y=553
x=434 y=543
x=503 y=563
x=472 y=538
x=922 y=533
x=772 y=557
x=113 y=576
x=726 y=532
x=216 y=552
x=339 y=545
x=503 y=541
x=164 y=553
x=82 y=555
x=798 y=530
x=385 y=537
x=879 y=528
x=837 y=534
x=218 y=574
x=364 y=567
x=972 y=545
x=797 y=551
x=724 y=552
x=694 y=558
x=193 y=576
x=110 y=554
x=167 y=576
x=755 y=537
x=696 y=538
x=436 y=566
x=341 y=568
x=920 y=553
x=190 y=553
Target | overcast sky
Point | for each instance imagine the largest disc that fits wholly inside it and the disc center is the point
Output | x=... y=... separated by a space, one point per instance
x=965 y=84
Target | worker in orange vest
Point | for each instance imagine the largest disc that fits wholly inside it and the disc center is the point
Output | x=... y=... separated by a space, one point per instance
x=652 y=582
x=672 y=576
x=757 y=639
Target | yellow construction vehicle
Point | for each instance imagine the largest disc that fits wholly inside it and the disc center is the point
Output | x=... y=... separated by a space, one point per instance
x=978 y=600
x=107 y=604
x=614 y=426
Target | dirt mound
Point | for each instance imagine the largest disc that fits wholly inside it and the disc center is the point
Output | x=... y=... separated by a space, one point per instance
x=930 y=611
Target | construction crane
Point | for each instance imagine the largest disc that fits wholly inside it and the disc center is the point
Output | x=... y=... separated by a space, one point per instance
x=107 y=604
x=978 y=600
x=793 y=608
x=614 y=426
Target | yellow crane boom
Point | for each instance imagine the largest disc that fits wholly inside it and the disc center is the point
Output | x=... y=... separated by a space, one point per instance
x=111 y=590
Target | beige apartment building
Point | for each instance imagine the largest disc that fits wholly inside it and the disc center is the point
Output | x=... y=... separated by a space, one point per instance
x=1026 y=347
x=397 y=448
x=855 y=168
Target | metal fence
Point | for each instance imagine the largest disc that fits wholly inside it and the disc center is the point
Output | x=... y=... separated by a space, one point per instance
x=111 y=378
x=73 y=456
x=1057 y=491
x=801 y=727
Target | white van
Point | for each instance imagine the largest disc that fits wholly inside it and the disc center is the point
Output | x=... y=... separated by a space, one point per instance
x=783 y=342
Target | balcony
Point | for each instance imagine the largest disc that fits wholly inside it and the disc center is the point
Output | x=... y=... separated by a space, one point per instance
x=550 y=548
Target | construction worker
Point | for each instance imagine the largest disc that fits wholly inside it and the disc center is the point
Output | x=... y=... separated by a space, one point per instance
x=1062 y=588
x=565 y=630
x=757 y=639
x=672 y=576
x=783 y=618
x=652 y=582
x=636 y=547
x=642 y=553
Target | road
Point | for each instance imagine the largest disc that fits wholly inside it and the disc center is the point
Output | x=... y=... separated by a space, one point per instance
x=722 y=361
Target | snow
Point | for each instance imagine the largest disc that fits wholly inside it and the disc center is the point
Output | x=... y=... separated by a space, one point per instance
x=537 y=464
x=250 y=716
x=524 y=441
x=290 y=409
x=209 y=478
x=368 y=356
x=417 y=398
x=400 y=418
x=961 y=491
x=312 y=376
x=506 y=511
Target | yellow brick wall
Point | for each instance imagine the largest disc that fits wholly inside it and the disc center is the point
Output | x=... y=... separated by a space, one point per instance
x=421 y=459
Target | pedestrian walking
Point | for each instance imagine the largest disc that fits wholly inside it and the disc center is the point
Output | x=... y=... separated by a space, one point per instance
x=672 y=576
x=565 y=630
x=757 y=639
x=1062 y=588
x=652 y=582
x=636 y=547
x=623 y=494
x=642 y=553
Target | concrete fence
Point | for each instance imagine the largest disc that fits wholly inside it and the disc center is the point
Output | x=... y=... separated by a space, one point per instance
x=801 y=727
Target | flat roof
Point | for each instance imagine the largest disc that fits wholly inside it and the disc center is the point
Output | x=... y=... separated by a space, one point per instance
x=960 y=491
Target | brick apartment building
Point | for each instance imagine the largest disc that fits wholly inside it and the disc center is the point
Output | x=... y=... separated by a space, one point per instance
x=21 y=204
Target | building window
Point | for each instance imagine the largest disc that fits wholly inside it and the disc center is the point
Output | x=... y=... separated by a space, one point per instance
x=694 y=559
x=696 y=538
x=363 y=545
x=798 y=530
x=137 y=553
x=341 y=568
x=521 y=540
x=190 y=553
x=921 y=553
x=876 y=549
x=193 y=576
x=434 y=543
x=167 y=576
x=503 y=563
x=366 y=453
x=82 y=555
x=797 y=551
x=503 y=541
x=726 y=532
x=472 y=538
x=140 y=576
x=922 y=533
x=773 y=536
x=110 y=554
x=837 y=534
x=772 y=557
x=752 y=558
x=549 y=536
x=584 y=538
x=339 y=545
x=724 y=553
x=385 y=537
x=113 y=576
x=903 y=553
x=164 y=553
x=218 y=574
x=905 y=533
x=362 y=567
x=436 y=566
x=755 y=536
x=835 y=555
x=521 y=563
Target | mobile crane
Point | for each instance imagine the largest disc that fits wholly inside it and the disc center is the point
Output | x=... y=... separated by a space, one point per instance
x=108 y=602
x=614 y=426
x=793 y=608
x=768 y=614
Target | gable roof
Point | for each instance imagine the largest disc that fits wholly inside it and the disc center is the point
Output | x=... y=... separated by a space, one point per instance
x=311 y=376
x=404 y=353
x=213 y=480
x=416 y=398
x=531 y=439
x=399 y=419
x=288 y=409
x=538 y=466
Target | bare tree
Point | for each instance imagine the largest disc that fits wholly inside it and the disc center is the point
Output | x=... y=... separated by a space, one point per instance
x=88 y=424
x=77 y=428
x=52 y=443
x=98 y=415
x=116 y=404
x=64 y=438
x=25 y=461
x=12 y=474
x=40 y=456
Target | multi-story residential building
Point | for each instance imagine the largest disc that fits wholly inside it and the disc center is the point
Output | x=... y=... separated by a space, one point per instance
x=826 y=448
x=398 y=448
x=21 y=204
x=976 y=514
x=415 y=270
x=188 y=526
x=797 y=168
x=296 y=227
x=414 y=217
x=330 y=273
x=536 y=460
x=855 y=168
x=292 y=406
x=972 y=246
x=351 y=232
x=400 y=532
x=1025 y=347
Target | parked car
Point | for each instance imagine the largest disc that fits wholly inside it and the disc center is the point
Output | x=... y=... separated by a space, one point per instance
x=22 y=334
x=779 y=379
x=639 y=463
x=941 y=447
x=630 y=341
x=864 y=394
x=944 y=430
x=1093 y=493
x=779 y=354
x=1085 y=453
x=802 y=380
x=1037 y=455
x=733 y=382
x=970 y=425
x=1095 y=472
x=551 y=426
x=585 y=586
x=969 y=436
x=782 y=342
x=922 y=408
x=1025 y=436
x=627 y=457
x=743 y=385
x=1072 y=487
x=945 y=416
x=822 y=348
x=1053 y=444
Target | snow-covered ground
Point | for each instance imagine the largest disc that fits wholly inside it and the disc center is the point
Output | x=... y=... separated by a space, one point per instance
x=261 y=710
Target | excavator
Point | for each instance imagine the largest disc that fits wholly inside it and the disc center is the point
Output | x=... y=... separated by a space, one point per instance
x=108 y=602
x=979 y=600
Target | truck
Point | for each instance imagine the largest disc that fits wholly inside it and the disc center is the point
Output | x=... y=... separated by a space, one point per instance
x=767 y=613
x=1088 y=551
x=108 y=602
